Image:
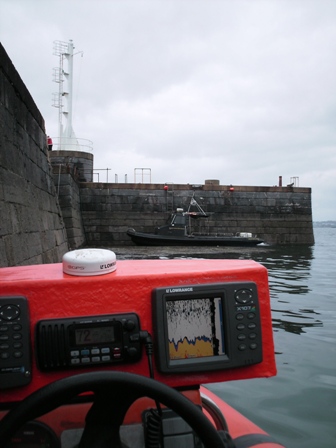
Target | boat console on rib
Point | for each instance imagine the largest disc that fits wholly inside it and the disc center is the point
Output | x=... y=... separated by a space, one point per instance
x=100 y=353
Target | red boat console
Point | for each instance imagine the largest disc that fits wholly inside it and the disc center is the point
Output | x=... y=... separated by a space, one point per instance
x=184 y=322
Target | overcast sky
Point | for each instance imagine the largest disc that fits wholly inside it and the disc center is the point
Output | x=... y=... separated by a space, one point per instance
x=242 y=91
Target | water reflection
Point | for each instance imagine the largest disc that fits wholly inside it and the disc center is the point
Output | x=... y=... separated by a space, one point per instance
x=295 y=323
x=288 y=270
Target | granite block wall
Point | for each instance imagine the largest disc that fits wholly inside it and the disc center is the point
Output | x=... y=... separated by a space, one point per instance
x=279 y=215
x=31 y=225
x=67 y=188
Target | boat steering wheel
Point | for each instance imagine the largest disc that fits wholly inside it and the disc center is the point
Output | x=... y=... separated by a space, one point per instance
x=114 y=392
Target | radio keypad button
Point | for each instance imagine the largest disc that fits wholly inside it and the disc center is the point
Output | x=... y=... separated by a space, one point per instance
x=251 y=326
x=240 y=327
x=116 y=352
x=74 y=353
x=252 y=335
x=251 y=315
x=239 y=316
x=241 y=337
x=106 y=358
x=253 y=346
x=134 y=337
x=85 y=360
x=95 y=358
x=132 y=351
x=95 y=351
x=75 y=361
x=105 y=350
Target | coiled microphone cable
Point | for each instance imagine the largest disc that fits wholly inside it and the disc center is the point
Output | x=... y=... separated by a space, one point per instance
x=153 y=419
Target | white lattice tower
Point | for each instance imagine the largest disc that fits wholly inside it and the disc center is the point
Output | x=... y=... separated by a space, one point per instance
x=63 y=76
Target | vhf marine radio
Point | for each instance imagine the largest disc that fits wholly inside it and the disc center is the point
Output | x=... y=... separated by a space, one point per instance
x=207 y=327
x=87 y=341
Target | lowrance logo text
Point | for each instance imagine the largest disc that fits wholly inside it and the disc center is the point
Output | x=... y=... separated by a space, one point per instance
x=107 y=265
x=172 y=290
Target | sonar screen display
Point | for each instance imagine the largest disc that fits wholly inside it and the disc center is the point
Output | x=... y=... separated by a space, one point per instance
x=195 y=328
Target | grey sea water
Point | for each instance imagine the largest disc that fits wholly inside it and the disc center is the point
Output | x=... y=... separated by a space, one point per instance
x=298 y=406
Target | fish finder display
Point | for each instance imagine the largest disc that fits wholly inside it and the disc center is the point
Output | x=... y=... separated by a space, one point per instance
x=206 y=327
x=195 y=328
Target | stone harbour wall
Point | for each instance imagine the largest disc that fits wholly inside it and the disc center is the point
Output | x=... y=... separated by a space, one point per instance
x=66 y=179
x=279 y=215
x=31 y=225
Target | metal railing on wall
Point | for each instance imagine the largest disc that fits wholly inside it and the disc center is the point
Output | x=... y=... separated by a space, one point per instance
x=72 y=144
x=142 y=173
x=294 y=181
x=93 y=172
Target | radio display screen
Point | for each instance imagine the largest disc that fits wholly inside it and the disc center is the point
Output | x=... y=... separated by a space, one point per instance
x=195 y=328
x=94 y=335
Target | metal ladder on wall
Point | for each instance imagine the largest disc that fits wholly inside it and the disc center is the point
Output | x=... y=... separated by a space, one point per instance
x=169 y=196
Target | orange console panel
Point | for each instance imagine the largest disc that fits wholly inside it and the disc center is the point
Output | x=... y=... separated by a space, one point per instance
x=209 y=320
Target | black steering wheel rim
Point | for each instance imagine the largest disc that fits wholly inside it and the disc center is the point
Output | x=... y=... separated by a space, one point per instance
x=57 y=393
